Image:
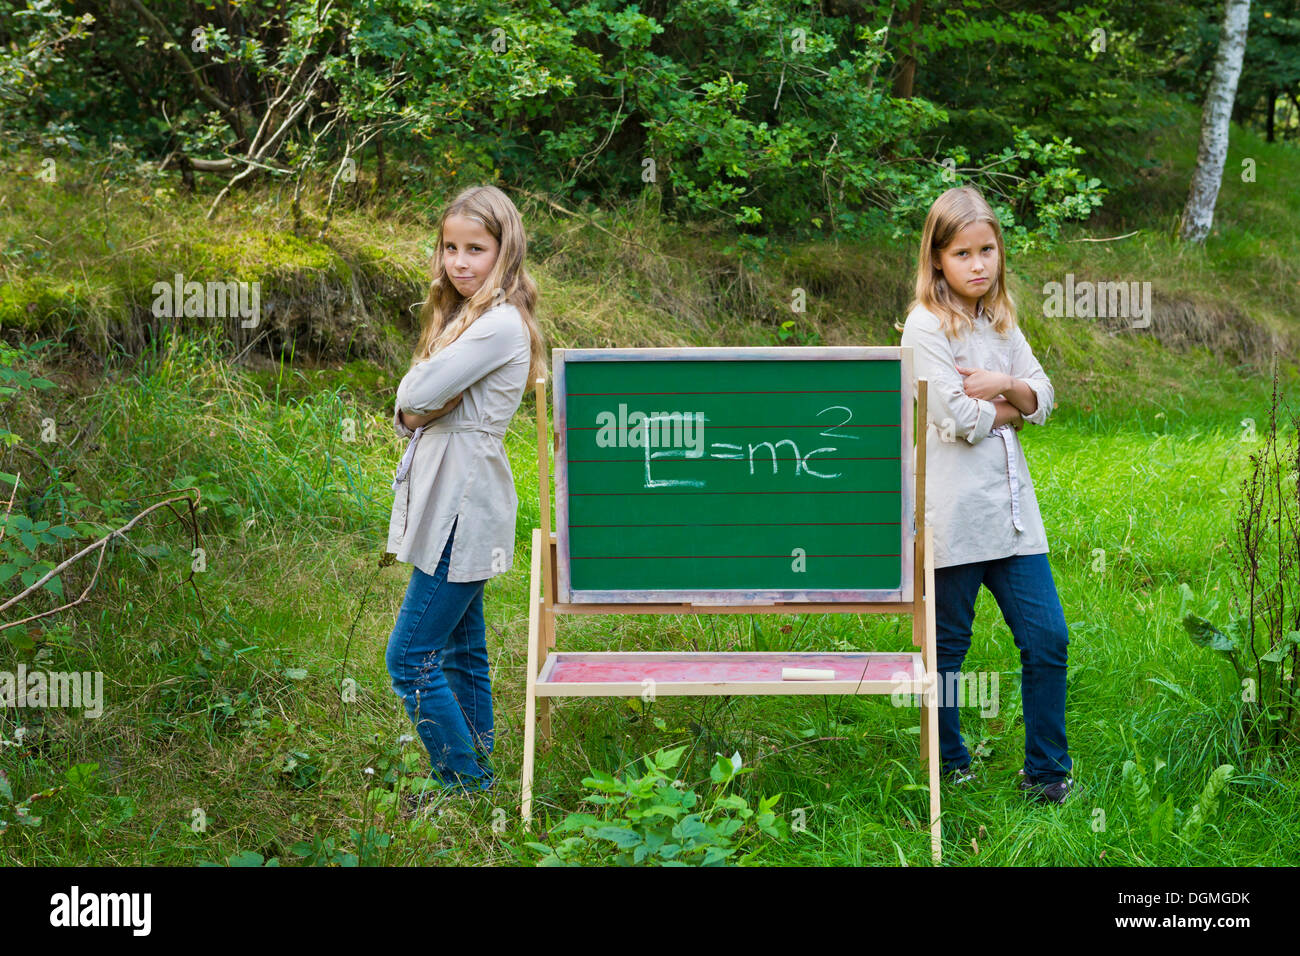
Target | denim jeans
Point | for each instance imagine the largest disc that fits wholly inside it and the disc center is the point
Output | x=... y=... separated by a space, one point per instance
x=1026 y=594
x=437 y=658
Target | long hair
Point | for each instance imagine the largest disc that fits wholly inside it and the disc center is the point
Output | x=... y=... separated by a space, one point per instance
x=951 y=213
x=446 y=313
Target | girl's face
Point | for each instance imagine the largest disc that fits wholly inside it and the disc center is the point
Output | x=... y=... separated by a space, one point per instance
x=970 y=262
x=468 y=253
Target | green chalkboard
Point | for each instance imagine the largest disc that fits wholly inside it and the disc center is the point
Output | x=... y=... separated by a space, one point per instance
x=733 y=475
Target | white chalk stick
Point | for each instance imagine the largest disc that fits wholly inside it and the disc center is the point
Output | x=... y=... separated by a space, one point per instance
x=806 y=673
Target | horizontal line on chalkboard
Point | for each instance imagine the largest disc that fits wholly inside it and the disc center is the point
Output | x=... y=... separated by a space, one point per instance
x=589 y=428
x=657 y=557
x=710 y=458
x=776 y=391
x=576 y=494
x=745 y=524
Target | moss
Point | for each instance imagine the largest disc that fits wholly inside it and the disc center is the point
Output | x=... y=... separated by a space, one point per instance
x=265 y=252
x=40 y=303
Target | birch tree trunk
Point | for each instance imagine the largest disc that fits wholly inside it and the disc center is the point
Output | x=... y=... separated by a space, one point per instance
x=1198 y=214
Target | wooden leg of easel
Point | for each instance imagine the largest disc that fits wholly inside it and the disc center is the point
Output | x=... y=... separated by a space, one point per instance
x=530 y=700
x=930 y=709
x=546 y=634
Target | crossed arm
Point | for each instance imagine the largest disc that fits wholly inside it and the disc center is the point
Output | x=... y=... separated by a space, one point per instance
x=1012 y=397
x=416 y=421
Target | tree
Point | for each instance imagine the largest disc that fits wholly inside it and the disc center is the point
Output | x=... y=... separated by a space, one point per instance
x=1198 y=214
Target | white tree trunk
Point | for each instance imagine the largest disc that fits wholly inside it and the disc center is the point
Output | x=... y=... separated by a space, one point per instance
x=1198 y=214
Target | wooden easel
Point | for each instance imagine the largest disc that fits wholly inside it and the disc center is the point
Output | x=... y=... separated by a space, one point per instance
x=543 y=606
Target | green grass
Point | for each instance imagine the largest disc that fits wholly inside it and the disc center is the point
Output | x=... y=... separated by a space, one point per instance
x=202 y=711
x=208 y=707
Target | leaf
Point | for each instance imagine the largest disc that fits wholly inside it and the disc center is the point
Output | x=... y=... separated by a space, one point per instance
x=1162 y=821
x=1164 y=683
x=21 y=640
x=1136 y=792
x=722 y=770
x=6 y=791
x=82 y=775
x=1276 y=655
x=691 y=826
x=1205 y=634
x=296 y=673
x=245 y=858
x=1208 y=802
x=625 y=839
x=667 y=759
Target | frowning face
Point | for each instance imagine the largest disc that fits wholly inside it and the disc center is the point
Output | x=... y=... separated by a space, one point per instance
x=970 y=262
x=468 y=253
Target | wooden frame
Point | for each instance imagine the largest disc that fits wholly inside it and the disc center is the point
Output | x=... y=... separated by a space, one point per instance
x=566 y=595
x=545 y=604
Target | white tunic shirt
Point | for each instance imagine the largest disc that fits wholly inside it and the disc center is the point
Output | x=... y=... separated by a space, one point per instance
x=456 y=467
x=979 y=498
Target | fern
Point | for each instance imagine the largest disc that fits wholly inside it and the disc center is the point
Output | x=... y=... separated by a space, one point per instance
x=1136 y=792
x=1208 y=803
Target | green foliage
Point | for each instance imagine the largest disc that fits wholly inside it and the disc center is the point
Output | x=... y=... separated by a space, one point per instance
x=23 y=537
x=1160 y=817
x=322 y=852
x=246 y=858
x=1261 y=640
x=653 y=820
x=17 y=812
x=769 y=116
x=793 y=333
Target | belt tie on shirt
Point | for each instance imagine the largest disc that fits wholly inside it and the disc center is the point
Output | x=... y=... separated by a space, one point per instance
x=404 y=467
x=1007 y=433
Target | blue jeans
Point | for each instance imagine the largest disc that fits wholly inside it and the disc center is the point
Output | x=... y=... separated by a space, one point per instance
x=1026 y=594
x=437 y=658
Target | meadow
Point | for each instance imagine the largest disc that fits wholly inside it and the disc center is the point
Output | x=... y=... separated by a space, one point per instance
x=225 y=738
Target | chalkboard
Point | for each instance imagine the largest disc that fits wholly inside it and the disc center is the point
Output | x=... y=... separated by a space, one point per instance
x=733 y=475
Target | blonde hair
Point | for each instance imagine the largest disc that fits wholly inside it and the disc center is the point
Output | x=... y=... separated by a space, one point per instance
x=446 y=314
x=951 y=213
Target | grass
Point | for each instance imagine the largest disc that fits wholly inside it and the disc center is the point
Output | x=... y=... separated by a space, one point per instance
x=225 y=732
x=209 y=709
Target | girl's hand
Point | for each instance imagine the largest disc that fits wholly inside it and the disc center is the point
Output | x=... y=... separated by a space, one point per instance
x=983 y=384
x=416 y=421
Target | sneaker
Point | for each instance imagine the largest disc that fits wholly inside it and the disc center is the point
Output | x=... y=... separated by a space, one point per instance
x=962 y=775
x=1051 y=791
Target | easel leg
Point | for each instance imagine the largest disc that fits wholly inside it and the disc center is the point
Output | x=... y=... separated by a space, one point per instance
x=930 y=709
x=530 y=699
x=546 y=635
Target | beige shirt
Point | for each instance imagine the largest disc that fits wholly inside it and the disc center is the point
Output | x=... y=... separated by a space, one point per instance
x=458 y=468
x=979 y=497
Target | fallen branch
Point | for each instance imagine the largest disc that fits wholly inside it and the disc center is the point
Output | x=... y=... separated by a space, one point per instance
x=102 y=546
x=1109 y=238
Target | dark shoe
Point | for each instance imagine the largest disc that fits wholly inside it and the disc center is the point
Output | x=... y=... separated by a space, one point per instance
x=960 y=776
x=1046 y=791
